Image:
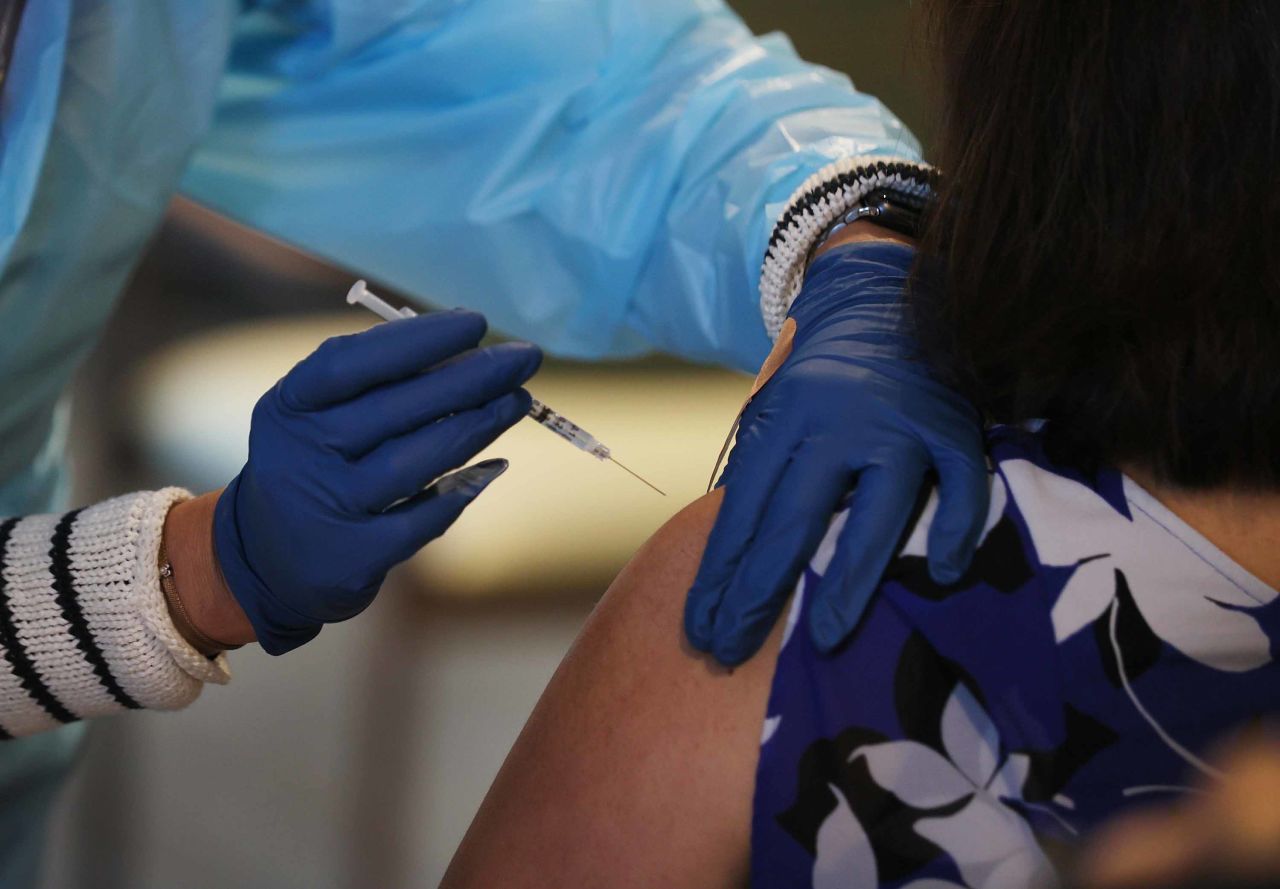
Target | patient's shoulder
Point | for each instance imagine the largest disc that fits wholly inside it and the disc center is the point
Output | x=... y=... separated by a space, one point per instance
x=637 y=767
x=656 y=578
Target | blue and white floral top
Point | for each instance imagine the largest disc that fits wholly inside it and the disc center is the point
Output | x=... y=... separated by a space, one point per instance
x=1096 y=649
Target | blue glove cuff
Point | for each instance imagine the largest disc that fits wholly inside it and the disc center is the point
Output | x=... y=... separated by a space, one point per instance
x=875 y=257
x=250 y=592
x=860 y=274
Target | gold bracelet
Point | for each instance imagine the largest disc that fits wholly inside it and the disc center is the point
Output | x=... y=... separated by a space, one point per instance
x=189 y=631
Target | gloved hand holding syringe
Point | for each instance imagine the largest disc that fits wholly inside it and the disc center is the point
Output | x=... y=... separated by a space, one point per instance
x=359 y=294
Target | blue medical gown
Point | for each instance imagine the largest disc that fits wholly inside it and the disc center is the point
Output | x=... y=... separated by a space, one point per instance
x=599 y=176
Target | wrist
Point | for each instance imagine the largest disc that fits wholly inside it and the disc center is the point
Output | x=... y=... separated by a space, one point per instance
x=867 y=280
x=863 y=230
x=201 y=604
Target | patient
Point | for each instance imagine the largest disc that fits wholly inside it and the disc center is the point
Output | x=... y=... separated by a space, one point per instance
x=1103 y=257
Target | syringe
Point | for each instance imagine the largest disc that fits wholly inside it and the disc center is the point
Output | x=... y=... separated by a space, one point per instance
x=359 y=294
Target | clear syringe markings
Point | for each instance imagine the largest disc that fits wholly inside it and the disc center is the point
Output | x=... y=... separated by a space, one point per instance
x=359 y=294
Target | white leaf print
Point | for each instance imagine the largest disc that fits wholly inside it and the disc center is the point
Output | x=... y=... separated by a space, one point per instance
x=793 y=616
x=1065 y=518
x=1178 y=580
x=990 y=842
x=844 y=856
x=827 y=548
x=770 y=729
x=999 y=500
x=1012 y=777
x=1084 y=598
x=915 y=774
x=1022 y=871
x=991 y=845
x=970 y=737
x=1222 y=638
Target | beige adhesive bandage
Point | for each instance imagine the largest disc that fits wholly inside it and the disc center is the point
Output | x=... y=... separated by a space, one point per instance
x=779 y=354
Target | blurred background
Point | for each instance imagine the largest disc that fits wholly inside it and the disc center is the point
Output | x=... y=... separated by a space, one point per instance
x=360 y=759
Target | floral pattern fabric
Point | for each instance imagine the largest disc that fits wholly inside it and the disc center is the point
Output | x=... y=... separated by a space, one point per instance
x=965 y=735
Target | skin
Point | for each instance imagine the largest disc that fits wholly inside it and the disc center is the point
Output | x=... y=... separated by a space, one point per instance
x=862 y=230
x=188 y=540
x=637 y=767
x=1243 y=524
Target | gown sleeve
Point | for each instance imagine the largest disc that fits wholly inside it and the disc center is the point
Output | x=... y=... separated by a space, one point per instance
x=600 y=176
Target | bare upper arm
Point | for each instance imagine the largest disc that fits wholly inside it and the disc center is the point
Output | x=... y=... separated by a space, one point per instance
x=637 y=767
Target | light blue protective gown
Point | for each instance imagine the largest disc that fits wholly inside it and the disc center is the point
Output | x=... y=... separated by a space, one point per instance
x=599 y=176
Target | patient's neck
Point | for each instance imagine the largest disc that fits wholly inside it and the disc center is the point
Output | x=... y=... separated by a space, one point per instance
x=1243 y=524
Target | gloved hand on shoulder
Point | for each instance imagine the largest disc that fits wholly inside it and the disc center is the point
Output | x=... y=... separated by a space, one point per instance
x=851 y=409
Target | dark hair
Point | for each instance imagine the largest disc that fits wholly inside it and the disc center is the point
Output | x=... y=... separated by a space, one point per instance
x=1105 y=250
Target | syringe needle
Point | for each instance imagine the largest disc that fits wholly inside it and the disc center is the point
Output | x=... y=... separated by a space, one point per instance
x=642 y=478
x=359 y=294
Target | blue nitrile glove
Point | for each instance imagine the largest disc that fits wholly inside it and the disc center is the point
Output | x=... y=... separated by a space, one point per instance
x=340 y=453
x=849 y=407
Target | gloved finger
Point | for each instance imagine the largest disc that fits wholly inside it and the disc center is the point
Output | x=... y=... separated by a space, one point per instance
x=882 y=504
x=344 y=366
x=403 y=466
x=425 y=516
x=794 y=523
x=964 y=493
x=466 y=382
x=761 y=462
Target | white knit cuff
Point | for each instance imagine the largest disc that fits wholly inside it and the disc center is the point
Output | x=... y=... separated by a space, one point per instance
x=822 y=199
x=84 y=627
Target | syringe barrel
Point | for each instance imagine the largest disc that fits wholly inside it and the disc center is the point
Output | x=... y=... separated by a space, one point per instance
x=359 y=294
x=566 y=429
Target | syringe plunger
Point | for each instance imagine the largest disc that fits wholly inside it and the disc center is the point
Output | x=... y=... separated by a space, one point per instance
x=359 y=295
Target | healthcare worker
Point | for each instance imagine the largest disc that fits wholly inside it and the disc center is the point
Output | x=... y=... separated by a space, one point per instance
x=601 y=176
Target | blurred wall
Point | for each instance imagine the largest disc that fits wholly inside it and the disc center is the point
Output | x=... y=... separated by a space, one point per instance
x=283 y=780
x=876 y=42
